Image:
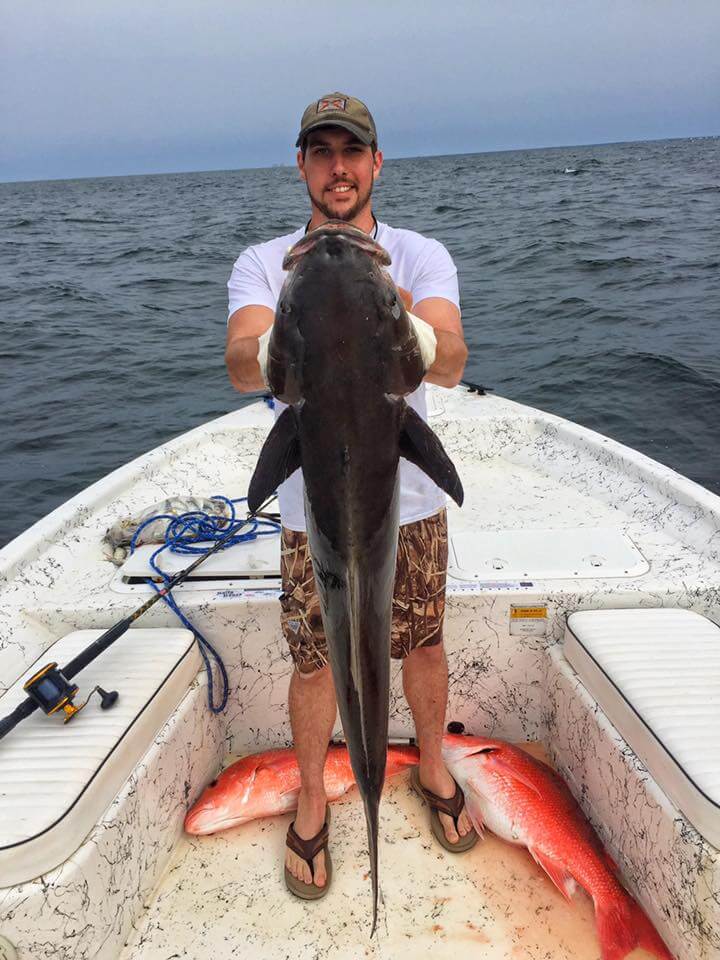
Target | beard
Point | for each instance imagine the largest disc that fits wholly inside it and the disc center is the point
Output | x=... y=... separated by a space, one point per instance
x=347 y=215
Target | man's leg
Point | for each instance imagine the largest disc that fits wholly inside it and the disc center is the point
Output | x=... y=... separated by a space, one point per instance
x=312 y=716
x=425 y=682
x=311 y=699
x=418 y=613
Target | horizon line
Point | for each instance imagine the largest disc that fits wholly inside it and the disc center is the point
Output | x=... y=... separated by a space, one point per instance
x=425 y=156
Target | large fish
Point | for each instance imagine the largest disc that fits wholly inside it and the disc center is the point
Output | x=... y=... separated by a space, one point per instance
x=267 y=784
x=525 y=802
x=343 y=354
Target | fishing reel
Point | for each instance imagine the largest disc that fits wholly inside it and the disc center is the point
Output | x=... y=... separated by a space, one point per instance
x=52 y=691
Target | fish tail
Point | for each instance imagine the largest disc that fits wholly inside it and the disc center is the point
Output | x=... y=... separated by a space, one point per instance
x=622 y=926
x=399 y=758
x=372 y=806
x=648 y=937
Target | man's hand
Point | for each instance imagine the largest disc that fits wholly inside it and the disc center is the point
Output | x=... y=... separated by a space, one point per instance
x=450 y=351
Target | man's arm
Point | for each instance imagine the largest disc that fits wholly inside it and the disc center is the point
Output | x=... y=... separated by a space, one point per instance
x=451 y=352
x=245 y=326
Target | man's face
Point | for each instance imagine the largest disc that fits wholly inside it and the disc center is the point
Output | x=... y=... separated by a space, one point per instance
x=339 y=171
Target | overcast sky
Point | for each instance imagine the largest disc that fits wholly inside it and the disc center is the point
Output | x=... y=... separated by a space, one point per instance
x=95 y=87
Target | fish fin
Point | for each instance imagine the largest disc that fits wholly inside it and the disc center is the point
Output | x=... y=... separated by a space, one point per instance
x=266 y=780
x=622 y=925
x=474 y=808
x=279 y=458
x=508 y=770
x=420 y=446
x=564 y=881
x=267 y=773
x=290 y=791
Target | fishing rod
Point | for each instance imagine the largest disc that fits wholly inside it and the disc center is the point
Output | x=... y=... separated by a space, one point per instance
x=50 y=688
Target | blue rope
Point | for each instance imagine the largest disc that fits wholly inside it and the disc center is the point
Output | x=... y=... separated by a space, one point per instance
x=181 y=536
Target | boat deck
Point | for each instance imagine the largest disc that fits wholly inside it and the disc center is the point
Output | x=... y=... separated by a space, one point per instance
x=526 y=473
x=218 y=892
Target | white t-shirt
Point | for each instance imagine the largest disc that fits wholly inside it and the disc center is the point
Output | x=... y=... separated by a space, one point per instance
x=420 y=265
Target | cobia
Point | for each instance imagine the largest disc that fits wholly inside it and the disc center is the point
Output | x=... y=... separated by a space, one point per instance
x=342 y=354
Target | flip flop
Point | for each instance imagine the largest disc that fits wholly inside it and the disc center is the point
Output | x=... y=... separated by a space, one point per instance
x=307 y=850
x=452 y=806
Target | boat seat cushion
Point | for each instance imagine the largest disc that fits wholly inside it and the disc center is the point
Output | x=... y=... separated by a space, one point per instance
x=656 y=674
x=56 y=779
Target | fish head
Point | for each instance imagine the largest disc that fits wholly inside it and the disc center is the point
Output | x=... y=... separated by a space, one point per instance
x=334 y=237
x=339 y=311
x=229 y=800
x=486 y=766
x=466 y=756
x=456 y=747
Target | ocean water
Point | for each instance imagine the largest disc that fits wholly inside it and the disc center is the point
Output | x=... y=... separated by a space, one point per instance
x=590 y=284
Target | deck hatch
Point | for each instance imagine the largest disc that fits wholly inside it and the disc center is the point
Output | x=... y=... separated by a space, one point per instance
x=562 y=554
x=255 y=560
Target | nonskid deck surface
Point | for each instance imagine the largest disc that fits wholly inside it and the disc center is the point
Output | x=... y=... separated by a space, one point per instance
x=223 y=897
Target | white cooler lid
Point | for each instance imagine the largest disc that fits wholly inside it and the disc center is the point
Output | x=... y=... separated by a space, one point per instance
x=56 y=779
x=656 y=674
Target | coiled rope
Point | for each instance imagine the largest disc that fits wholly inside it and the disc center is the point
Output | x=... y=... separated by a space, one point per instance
x=183 y=535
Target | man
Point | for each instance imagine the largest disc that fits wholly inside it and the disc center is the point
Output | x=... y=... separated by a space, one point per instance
x=339 y=161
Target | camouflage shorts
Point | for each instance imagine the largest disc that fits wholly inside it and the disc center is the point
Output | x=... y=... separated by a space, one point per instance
x=418 y=600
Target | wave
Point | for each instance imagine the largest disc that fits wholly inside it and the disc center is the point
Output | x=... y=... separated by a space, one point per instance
x=62 y=290
x=610 y=263
x=154 y=282
x=634 y=221
x=89 y=220
x=135 y=252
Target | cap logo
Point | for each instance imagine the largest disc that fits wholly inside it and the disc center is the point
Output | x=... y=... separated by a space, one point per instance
x=332 y=103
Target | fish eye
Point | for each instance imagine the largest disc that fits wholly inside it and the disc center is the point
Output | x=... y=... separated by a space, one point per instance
x=213 y=784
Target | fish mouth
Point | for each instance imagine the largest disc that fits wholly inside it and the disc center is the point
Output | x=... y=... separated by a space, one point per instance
x=346 y=232
x=197 y=828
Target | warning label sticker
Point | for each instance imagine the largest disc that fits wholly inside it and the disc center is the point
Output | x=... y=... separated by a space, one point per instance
x=530 y=621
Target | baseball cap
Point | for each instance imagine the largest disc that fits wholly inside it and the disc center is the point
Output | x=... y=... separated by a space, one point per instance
x=339 y=110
